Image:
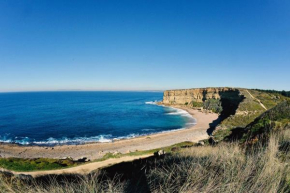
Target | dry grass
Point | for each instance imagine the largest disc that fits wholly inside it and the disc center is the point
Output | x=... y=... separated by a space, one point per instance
x=89 y=184
x=224 y=168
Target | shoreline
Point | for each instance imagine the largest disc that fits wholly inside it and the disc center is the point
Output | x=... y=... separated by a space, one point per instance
x=90 y=142
x=127 y=137
x=96 y=150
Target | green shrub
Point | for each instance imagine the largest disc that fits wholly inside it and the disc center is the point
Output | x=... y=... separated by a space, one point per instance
x=18 y=164
x=196 y=104
x=213 y=104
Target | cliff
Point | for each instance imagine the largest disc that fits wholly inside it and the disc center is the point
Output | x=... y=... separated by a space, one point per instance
x=187 y=96
x=237 y=107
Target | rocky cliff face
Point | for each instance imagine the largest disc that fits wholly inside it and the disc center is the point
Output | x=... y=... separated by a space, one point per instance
x=184 y=96
x=237 y=107
x=222 y=100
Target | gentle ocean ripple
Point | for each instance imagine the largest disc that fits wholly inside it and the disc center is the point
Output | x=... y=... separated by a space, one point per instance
x=51 y=118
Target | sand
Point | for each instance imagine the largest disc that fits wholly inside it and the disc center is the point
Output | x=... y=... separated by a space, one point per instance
x=97 y=150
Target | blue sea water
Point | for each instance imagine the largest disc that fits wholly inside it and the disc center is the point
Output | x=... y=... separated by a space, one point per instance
x=51 y=118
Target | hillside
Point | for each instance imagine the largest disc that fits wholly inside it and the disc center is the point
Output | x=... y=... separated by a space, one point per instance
x=237 y=107
x=276 y=119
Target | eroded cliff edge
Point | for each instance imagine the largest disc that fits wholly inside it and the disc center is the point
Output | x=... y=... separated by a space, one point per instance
x=237 y=107
x=187 y=96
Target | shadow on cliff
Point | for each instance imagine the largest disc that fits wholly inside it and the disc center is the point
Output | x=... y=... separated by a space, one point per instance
x=230 y=101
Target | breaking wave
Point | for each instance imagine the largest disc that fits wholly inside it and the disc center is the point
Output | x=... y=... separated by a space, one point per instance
x=151 y=102
x=179 y=112
x=54 y=141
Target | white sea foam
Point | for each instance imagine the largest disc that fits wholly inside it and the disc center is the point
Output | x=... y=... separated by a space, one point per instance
x=54 y=141
x=132 y=135
x=6 y=138
x=76 y=140
x=80 y=140
x=176 y=110
x=190 y=124
x=151 y=102
x=180 y=112
x=172 y=130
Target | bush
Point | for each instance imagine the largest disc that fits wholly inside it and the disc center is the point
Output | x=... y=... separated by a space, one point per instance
x=18 y=164
x=214 y=105
x=196 y=104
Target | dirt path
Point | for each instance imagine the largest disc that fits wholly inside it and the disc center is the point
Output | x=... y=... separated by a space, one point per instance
x=83 y=169
x=257 y=100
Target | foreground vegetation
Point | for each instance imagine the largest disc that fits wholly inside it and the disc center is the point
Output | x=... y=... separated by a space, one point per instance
x=18 y=164
x=226 y=167
x=26 y=165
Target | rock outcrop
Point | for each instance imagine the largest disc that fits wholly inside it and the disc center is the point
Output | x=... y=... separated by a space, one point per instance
x=222 y=100
x=184 y=96
x=237 y=107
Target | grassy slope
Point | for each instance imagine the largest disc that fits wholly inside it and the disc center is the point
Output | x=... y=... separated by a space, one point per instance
x=18 y=164
x=223 y=168
x=226 y=168
x=249 y=109
x=270 y=100
x=275 y=119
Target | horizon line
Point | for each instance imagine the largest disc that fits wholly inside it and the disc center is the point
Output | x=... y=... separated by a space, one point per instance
x=81 y=90
x=123 y=90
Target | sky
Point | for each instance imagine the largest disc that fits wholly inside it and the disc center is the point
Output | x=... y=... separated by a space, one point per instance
x=144 y=45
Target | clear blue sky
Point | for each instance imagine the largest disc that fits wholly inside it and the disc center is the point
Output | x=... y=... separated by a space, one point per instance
x=144 y=44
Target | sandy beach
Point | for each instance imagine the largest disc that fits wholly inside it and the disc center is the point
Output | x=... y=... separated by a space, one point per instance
x=97 y=150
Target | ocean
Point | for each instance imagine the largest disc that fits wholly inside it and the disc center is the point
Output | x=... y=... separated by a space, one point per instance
x=54 y=118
